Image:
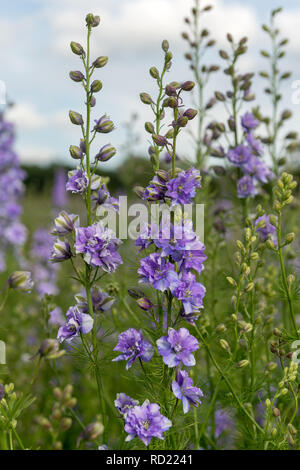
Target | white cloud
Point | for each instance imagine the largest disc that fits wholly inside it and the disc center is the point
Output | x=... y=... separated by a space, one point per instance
x=37 y=155
x=26 y=116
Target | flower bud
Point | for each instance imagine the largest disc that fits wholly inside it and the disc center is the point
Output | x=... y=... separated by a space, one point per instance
x=225 y=345
x=49 y=349
x=76 y=152
x=276 y=412
x=242 y=364
x=160 y=140
x=187 y=86
x=96 y=86
x=289 y=238
x=92 y=20
x=105 y=153
x=2 y=392
x=168 y=56
x=149 y=127
x=221 y=328
x=100 y=62
x=139 y=190
x=77 y=48
x=135 y=293
x=21 y=280
x=231 y=281
x=190 y=113
x=91 y=432
x=103 y=125
x=65 y=223
x=76 y=118
x=165 y=45
x=144 y=303
x=154 y=72
x=145 y=98
x=76 y=76
x=66 y=423
x=61 y=251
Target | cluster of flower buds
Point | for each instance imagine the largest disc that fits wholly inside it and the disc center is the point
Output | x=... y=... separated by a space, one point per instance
x=283 y=191
x=59 y=420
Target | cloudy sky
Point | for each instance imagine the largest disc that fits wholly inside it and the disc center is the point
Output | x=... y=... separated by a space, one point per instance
x=35 y=60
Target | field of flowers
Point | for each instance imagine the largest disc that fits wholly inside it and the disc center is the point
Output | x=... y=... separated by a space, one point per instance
x=186 y=336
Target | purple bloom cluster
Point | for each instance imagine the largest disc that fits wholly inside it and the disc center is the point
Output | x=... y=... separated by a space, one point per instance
x=145 y=422
x=246 y=157
x=179 y=190
x=13 y=233
x=133 y=346
x=99 y=246
x=124 y=403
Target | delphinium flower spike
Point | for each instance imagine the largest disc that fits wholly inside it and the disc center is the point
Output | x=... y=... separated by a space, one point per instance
x=91 y=248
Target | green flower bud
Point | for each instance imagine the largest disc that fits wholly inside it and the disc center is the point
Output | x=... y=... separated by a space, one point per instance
x=154 y=72
x=289 y=238
x=225 y=345
x=149 y=127
x=165 y=45
x=145 y=98
x=66 y=423
x=242 y=364
x=96 y=86
x=76 y=118
x=100 y=62
x=76 y=76
x=49 y=349
x=77 y=48
x=231 y=281
x=21 y=280
x=76 y=152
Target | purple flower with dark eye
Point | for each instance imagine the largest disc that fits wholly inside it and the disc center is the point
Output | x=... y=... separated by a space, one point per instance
x=77 y=181
x=258 y=169
x=124 y=403
x=145 y=238
x=265 y=228
x=76 y=323
x=101 y=301
x=255 y=144
x=156 y=190
x=104 y=199
x=189 y=291
x=99 y=246
x=246 y=187
x=133 y=346
x=157 y=271
x=177 y=347
x=249 y=122
x=182 y=189
x=145 y=422
x=183 y=389
x=239 y=155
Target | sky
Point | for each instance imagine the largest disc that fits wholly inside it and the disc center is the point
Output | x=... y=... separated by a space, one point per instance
x=35 y=60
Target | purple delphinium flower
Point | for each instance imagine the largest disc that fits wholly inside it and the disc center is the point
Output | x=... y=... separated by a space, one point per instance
x=99 y=246
x=76 y=323
x=255 y=144
x=157 y=271
x=223 y=421
x=189 y=291
x=183 y=389
x=265 y=228
x=145 y=422
x=124 y=403
x=258 y=169
x=59 y=196
x=56 y=317
x=133 y=346
x=101 y=301
x=177 y=347
x=144 y=240
x=246 y=187
x=104 y=199
x=239 y=155
x=77 y=181
x=156 y=190
x=249 y=122
x=182 y=189
x=61 y=251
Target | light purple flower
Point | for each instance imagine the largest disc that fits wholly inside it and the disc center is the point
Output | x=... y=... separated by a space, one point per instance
x=258 y=169
x=267 y=230
x=56 y=317
x=146 y=422
x=182 y=189
x=183 y=389
x=77 y=181
x=249 y=122
x=223 y=421
x=105 y=200
x=65 y=223
x=189 y=291
x=177 y=347
x=246 y=187
x=76 y=323
x=239 y=155
x=99 y=246
x=132 y=345
x=157 y=271
x=255 y=144
x=124 y=403
x=61 y=251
